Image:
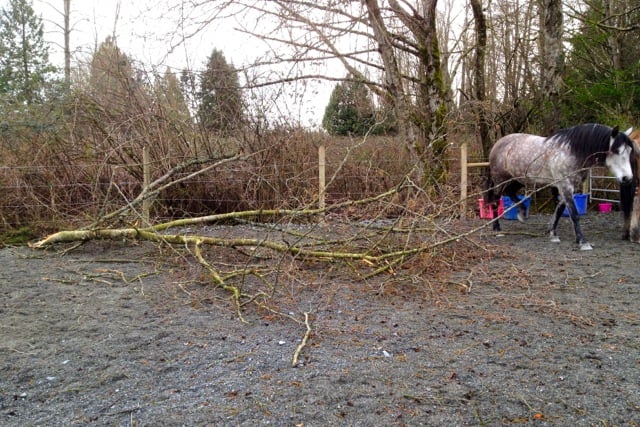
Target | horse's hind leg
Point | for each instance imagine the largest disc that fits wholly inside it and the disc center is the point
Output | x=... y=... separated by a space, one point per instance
x=512 y=191
x=553 y=227
x=492 y=199
x=494 y=214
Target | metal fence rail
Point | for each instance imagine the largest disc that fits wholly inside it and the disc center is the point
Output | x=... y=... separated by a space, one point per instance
x=602 y=187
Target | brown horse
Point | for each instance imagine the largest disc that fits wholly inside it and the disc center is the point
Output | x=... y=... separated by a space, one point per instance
x=629 y=195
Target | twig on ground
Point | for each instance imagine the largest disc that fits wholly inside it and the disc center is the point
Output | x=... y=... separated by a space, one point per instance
x=303 y=343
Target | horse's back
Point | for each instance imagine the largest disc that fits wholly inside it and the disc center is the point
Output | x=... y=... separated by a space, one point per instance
x=516 y=141
x=515 y=154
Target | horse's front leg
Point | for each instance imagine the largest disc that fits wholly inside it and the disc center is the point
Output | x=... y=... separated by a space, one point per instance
x=575 y=219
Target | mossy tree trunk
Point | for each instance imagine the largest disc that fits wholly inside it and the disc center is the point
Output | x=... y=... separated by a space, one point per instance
x=419 y=100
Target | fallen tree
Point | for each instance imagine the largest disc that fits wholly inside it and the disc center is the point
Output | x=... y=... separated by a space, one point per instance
x=377 y=258
x=369 y=248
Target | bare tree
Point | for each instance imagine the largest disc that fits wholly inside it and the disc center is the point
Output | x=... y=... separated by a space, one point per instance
x=390 y=46
x=479 y=80
x=428 y=112
x=67 y=43
x=552 y=61
x=512 y=66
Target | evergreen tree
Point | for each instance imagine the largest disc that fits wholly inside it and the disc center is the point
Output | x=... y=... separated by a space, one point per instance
x=350 y=110
x=111 y=80
x=221 y=107
x=24 y=56
x=169 y=93
x=119 y=109
x=189 y=88
x=602 y=71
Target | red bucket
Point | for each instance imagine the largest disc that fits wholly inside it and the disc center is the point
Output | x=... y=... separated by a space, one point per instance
x=486 y=212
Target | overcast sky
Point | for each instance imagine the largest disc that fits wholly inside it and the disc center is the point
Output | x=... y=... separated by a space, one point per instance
x=143 y=32
x=141 y=28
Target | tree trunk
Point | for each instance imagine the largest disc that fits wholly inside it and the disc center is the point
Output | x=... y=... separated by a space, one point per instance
x=431 y=109
x=67 y=46
x=395 y=86
x=552 y=62
x=420 y=123
x=479 y=75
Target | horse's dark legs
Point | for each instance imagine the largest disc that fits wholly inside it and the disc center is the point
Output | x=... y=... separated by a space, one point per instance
x=496 y=221
x=493 y=198
x=511 y=191
x=566 y=199
x=557 y=214
x=494 y=211
x=627 y=200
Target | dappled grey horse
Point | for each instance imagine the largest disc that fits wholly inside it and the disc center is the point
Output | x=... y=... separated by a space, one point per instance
x=560 y=161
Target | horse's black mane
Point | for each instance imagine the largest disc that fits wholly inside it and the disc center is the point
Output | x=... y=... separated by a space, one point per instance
x=589 y=140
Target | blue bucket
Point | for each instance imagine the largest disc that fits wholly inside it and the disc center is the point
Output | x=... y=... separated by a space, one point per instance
x=581 y=204
x=510 y=210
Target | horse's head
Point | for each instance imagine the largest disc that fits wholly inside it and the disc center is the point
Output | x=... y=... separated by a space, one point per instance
x=618 y=160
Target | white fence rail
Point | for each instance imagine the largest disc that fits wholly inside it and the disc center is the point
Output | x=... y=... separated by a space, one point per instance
x=602 y=187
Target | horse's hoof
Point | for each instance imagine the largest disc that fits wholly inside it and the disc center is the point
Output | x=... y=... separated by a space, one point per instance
x=555 y=239
x=585 y=246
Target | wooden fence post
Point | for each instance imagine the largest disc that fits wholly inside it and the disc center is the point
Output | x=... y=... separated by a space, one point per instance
x=321 y=176
x=146 y=179
x=463 y=180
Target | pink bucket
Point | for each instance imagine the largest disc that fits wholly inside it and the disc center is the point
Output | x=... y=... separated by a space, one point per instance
x=605 y=207
x=486 y=212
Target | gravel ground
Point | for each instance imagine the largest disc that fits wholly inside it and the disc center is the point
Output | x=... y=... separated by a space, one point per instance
x=523 y=332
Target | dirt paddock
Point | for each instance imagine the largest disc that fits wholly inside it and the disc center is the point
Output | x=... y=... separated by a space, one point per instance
x=527 y=333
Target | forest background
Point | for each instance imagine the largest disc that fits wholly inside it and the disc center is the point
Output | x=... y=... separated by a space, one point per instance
x=415 y=80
